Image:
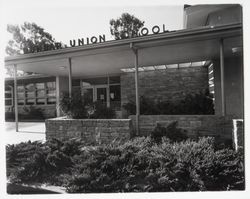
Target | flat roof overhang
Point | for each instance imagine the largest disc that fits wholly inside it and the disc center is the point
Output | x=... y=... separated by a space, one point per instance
x=110 y=57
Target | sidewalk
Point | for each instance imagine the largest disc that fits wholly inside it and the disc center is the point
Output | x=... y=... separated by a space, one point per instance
x=32 y=131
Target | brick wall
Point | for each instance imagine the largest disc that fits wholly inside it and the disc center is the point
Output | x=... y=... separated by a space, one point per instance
x=91 y=130
x=195 y=125
x=170 y=84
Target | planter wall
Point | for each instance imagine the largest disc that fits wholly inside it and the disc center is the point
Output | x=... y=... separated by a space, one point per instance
x=91 y=130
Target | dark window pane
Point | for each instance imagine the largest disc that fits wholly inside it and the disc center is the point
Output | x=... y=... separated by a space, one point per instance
x=20 y=95
x=8 y=95
x=20 y=102
x=51 y=93
x=30 y=94
x=30 y=101
x=76 y=82
x=20 y=88
x=115 y=97
x=101 y=94
x=8 y=88
x=114 y=80
x=40 y=101
x=115 y=93
x=8 y=102
x=95 y=81
x=40 y=93
x=88 y=95
x=30 y=87
x=51 y=100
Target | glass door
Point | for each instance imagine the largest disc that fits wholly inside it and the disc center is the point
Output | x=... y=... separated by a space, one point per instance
x=101 y=94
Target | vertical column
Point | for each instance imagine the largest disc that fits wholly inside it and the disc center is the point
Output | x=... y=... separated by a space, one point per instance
x=137 y=100
x=108 y=94
x=15 y=96
x=223 y=103
x=70 y=78
x=57 y=97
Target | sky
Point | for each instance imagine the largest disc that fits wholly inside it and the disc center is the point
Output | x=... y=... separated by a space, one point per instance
x=80 y=21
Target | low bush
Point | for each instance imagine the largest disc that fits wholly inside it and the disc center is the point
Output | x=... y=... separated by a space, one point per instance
x=31 y=162
x=199 y=103
x=29 y=113
x=101 y=111
x=139 y=165
x=172 y=132
x=76 y=108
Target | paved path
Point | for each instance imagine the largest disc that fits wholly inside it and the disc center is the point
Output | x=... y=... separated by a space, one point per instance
x=27 y=131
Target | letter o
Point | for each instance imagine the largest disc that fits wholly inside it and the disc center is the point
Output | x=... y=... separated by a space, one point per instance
x=143 y=31
x=158 y=29
x=93 y=40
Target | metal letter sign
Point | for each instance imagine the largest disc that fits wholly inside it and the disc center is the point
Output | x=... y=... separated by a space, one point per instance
x=101 y=38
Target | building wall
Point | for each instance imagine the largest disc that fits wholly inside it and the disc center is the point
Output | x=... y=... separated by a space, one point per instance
x=169 y=84
x=233 y=86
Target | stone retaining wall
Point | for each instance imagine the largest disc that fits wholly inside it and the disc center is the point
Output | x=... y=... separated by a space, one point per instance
x=91 y=130
x=195 y=125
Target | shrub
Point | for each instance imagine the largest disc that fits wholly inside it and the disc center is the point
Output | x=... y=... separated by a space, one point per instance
x=138 y=165
x=200 y=103
x=172 y=132
x=101 y=111
x=30 y=113
x=38 y=162
x=142 y=165
x=75 y=107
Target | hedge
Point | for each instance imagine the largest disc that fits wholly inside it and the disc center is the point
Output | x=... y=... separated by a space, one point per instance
x=139 y=165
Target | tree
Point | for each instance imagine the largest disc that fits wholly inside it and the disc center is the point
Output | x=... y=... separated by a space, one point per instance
x=126 y=26
x=30 y=38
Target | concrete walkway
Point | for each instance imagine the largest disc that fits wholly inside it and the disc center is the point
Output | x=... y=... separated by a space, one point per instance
x=32 y=131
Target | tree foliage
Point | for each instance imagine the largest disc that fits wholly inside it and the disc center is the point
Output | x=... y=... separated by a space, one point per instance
x=30 y=38
x=126 y=26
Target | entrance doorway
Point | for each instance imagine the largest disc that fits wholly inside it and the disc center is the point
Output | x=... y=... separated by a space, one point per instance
x=96 y=93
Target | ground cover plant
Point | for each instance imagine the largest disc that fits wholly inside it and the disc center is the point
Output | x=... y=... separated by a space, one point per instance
x=139 y=165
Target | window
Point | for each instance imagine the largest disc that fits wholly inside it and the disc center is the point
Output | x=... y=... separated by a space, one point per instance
x=115 y=96
x=40 y=93
x=51 y=92
x=8 y=96
x=96 y=89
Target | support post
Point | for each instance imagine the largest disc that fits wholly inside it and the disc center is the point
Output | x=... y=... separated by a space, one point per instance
x=70 y=78
x=108 y=93
x=222 y=79
x=15 y=96
x=137 y=99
